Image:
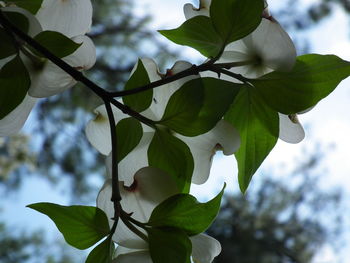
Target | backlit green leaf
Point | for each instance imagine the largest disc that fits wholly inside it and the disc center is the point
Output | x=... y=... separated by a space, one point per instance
x=31 y=5
x=258 y=126
x=234 y=19
x=81 y=226
x=14 y=87
x=142 y=100
x=169 y=245
x=173 y=156
x=198 y=33
x=313 y=78
x=183 y=211
x=57 y=43
x=198 y=105
x=102 y=253
x=7 y=47
x=129 y=133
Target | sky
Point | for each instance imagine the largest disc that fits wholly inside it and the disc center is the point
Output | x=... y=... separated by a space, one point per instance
x=328 y=123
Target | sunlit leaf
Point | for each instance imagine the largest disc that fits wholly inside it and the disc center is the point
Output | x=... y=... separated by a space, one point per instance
x=173 y=156
x=313 y=78
x=142 y=100
x=198 y=33
x=183 y=211
x=81 y=226
x=258 y=126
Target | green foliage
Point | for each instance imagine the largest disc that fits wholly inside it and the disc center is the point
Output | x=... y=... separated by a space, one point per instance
x=312 y=78
x=183 y=211
x=258 y=126
x=102 y=253
x=6 y=45
x=17 y=19
x=169 y=245
x=229 y=20
x=31 y=5
x=57 y=43
x=14 y=87
x=173 y=156
x=198 y=105
x=198 y=33
x=81 y=226
x=129 y=133
x=234 y=19
x=140 y=101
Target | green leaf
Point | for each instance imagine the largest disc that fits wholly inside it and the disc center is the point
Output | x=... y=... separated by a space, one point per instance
x=183 y=211
x=129 y=133
x=17 y=19
x=81 y=226
x=173 y=156
x=198 y=105
x=31 y=5
x=198 y=33
x=258 y=126
x=234 y=19
x=102 y=253
x=14 y=87
x=313 y=78
x=7 y=47
x=184 y=106
x=142 y=100
x=57 y=43
x=169 y=245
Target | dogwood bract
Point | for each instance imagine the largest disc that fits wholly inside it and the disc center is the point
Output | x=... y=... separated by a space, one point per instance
x=203 y=147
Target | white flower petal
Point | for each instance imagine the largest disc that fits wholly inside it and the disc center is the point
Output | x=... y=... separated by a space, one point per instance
x=190 y=11
x=150 y=187
x=134 y=161
x=203 y=147
x=273 y=45
x=162 y=94
x=52 y=80
x=134 y=257
x=69 y=17
x=98 y=130
x=291 y=131
x=204 y=248
x=15 y=120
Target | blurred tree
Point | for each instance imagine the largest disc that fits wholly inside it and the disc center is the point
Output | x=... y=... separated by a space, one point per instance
x=279 y=221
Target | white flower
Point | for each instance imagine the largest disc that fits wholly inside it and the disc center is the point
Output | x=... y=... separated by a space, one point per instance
x=69 y=17
x=268 y=48
x=203 y=147
x=150 y=187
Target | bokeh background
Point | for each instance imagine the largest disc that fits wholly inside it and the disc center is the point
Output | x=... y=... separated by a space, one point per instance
x=297 y=208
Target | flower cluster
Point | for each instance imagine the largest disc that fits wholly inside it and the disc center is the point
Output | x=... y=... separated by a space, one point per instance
x=70 y=18
x=142 y=186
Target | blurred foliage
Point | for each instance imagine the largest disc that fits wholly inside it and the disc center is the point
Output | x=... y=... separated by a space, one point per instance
x=280 y=221
x=23 y=247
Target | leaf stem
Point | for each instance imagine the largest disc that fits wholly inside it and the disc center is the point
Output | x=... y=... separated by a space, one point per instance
x=128 y=223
